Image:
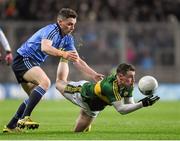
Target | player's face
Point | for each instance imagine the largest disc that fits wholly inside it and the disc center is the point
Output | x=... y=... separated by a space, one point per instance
x=127 y=79
x=67 y=25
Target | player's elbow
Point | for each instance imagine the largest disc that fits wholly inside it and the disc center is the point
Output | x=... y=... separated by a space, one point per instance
x=44 y=47
x=120 y=107
x=122 y=112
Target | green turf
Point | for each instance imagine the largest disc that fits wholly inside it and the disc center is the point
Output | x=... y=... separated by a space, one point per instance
x=57 y=118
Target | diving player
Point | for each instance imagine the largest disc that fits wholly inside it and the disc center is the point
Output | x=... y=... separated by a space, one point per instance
x=114 y=90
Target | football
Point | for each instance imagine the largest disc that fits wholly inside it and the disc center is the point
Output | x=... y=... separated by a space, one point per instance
x=147 y=85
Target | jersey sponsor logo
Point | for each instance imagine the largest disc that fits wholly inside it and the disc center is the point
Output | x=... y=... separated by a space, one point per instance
x=126 y=93
x=72 y=89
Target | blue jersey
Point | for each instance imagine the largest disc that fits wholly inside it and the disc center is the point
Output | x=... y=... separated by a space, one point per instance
x=32 y=47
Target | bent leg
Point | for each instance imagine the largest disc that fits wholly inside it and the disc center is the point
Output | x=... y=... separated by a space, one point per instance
x=83 y=121
x=37 y=77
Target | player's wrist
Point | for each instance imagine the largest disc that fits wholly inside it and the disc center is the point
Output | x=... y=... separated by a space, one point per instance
x=64 y=54
x=61 y=53
x=144 y=101
x=8 y=52
x=141 y=104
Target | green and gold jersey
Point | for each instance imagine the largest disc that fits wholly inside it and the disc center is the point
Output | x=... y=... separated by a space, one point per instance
x=103 y=93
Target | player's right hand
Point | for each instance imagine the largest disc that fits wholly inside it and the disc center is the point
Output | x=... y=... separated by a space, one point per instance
x=0 y=57
x=8 y=58
x=148 y=101
x=70 y=55
x=97 y=77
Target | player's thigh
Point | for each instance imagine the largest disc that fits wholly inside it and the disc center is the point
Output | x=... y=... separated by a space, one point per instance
x=86 y=117
x=37 y=76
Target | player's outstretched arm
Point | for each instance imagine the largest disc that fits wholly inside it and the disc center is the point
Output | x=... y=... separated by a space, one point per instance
x=83 y=67
x=46 y=46
x=6 y=46
x=126 y=108
x=131 y=107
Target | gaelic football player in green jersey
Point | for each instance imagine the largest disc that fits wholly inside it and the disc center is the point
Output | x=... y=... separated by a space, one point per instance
x=114 y=90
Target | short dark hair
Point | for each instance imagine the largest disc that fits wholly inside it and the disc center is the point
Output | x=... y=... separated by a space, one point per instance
x=65 y=13
x=124 y=68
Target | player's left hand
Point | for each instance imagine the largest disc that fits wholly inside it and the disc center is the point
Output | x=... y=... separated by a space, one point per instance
x=70 y=55
x=148 y=101
x=8 y=58
x=98 y=77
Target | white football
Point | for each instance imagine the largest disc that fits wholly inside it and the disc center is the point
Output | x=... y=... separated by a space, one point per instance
x=147 y=85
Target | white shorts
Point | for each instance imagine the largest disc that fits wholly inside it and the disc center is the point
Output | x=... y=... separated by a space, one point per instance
x=76 y=98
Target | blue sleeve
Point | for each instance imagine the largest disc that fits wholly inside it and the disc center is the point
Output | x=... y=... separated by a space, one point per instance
x=49 y=32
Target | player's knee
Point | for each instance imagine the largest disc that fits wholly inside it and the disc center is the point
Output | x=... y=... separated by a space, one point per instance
x=60 y=86
x=82 y=125
x=78 y=130
x=46 y=84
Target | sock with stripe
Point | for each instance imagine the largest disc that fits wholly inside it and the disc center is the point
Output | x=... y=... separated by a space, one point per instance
x=18 y=115
x=34 y=99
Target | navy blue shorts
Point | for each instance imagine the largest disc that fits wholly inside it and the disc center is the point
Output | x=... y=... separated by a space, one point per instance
x=21 y=65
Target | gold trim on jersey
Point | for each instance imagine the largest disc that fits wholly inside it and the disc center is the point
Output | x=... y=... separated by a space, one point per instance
x=115 y=90
x=97 y=91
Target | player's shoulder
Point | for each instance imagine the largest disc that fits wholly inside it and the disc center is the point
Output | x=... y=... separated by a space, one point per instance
x=50 y=30
x=51 y=26
x=110 y=78
x=108 y=82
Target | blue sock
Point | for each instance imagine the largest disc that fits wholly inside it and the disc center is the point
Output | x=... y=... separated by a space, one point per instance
x=18 y=115
x=34 y=99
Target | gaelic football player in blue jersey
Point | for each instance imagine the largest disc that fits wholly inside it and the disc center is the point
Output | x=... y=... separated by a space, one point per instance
x=55 y=40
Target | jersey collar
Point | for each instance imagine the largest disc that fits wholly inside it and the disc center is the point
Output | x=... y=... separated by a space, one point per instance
x=59 y=29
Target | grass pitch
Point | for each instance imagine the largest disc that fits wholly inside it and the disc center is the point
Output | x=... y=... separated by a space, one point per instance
x=57 y=118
